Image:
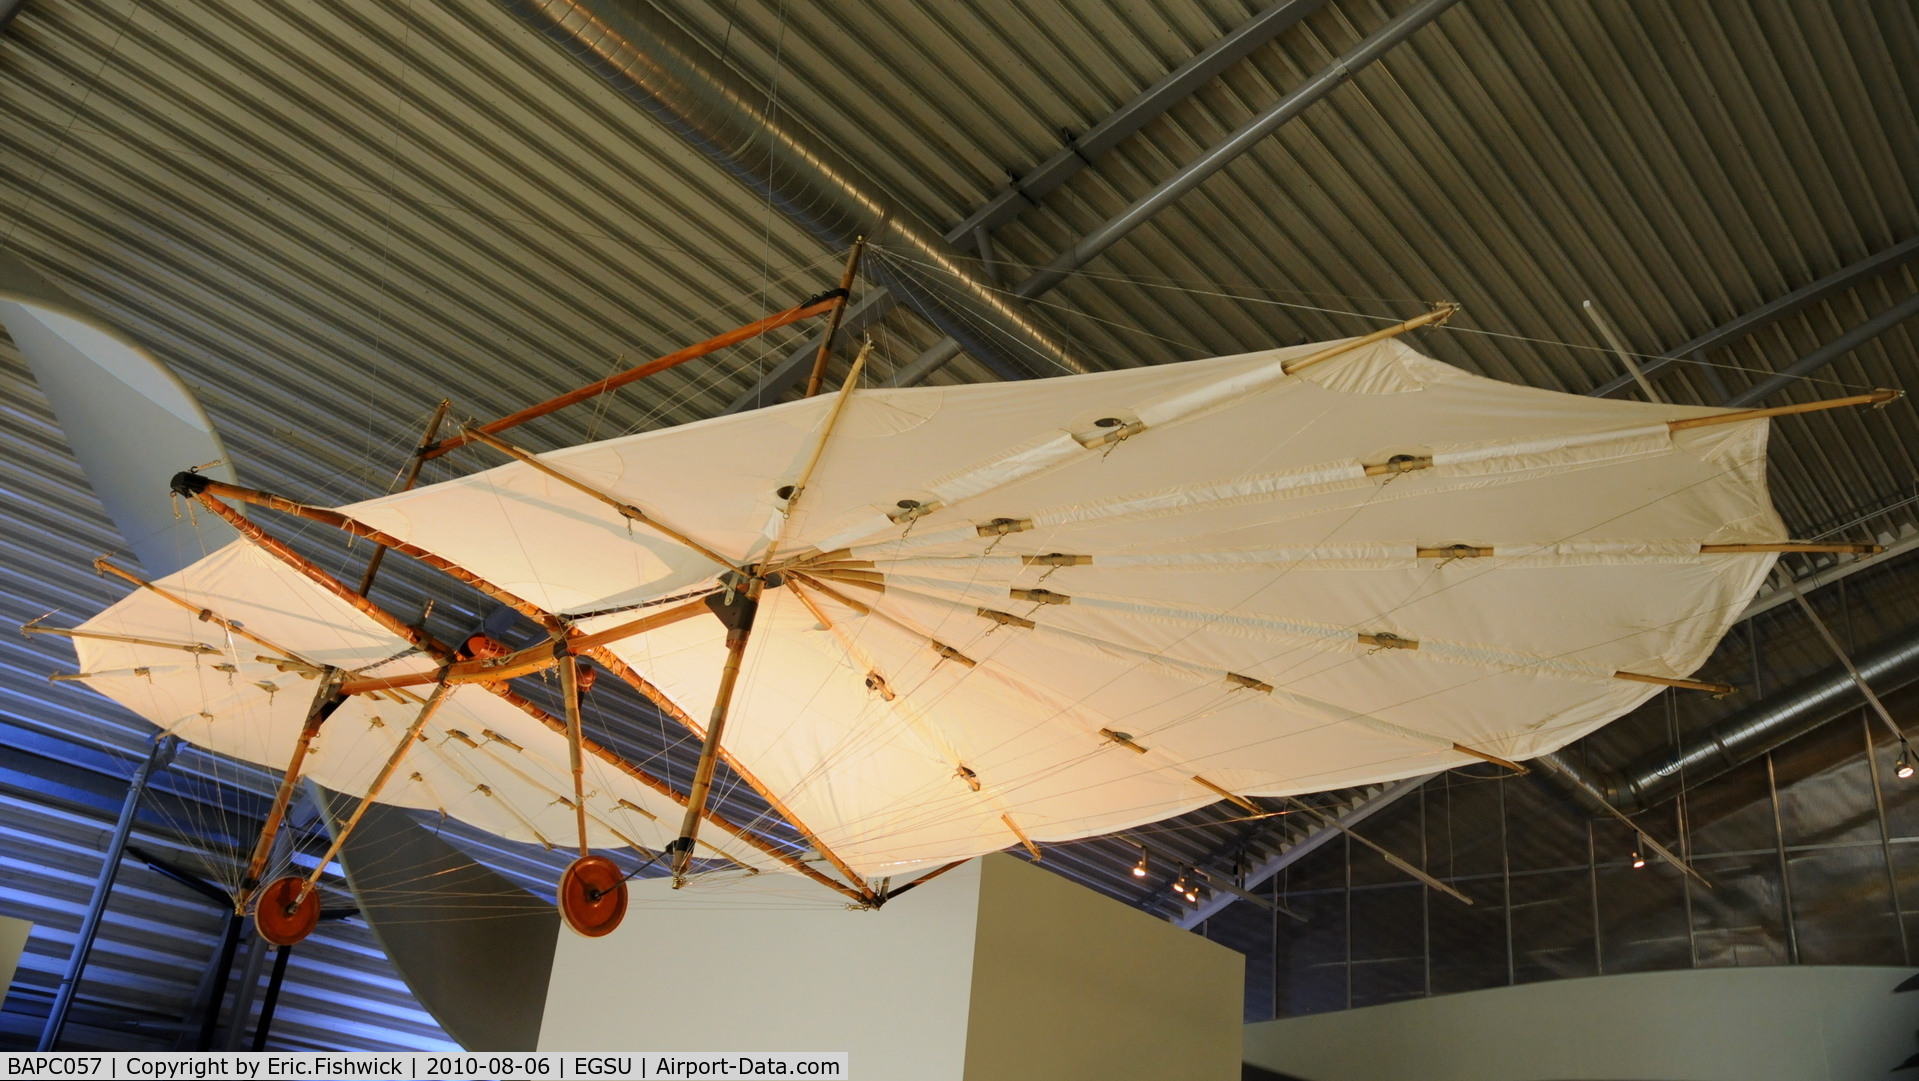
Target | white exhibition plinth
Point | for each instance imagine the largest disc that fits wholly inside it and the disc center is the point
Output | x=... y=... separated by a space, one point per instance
x=995 y=971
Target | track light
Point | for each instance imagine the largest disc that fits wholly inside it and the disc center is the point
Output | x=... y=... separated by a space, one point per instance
x=1902 y=769
x=1139 y=869
x=1638 y=860
x=1180 y=886
x=1193 y=896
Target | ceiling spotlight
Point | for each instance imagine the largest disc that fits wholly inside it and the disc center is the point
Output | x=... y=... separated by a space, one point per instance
x=1903 y=768
x=1180 y=886
x=1193 y=896
x=1638 y=860
x=1139 y=869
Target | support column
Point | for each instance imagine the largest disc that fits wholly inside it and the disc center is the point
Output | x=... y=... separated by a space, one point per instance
x=163 y=751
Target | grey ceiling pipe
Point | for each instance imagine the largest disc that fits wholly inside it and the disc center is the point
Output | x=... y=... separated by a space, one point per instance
x=1829 y=352
x=680 y=83
x=1825 y=696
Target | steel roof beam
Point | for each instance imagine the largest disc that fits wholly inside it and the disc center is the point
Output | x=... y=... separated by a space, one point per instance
x=1829 y=352
x=1767 y=314
x=1351 y=816
x=1244 y=138
x=721 y=115
x=973 y=233
x=1890 y=665
x=1170 y=90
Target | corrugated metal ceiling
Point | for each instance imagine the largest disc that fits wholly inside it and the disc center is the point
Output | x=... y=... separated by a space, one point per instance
x=327 y=215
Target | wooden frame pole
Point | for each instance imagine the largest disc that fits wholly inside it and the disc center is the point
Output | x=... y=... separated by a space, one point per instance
x=412 y=735
x=666 y=705
x=626 y=510
x=206 y=614
x=201 y=488
x=817 y=306
x=737 y=635
x=613 y=759
x=1438 y=316
x=199 y=648
x=412 y=478
x=529 y=660
x=592 y=645
x=818 y=375
x=819 y=448
x=1881 y=396
x=575 y=731
x=275 y=547
x=925 y=878
x=326 y=700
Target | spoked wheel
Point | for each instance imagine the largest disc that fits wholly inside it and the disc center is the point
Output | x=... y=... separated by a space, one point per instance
x=593 y=896
x=281 y=921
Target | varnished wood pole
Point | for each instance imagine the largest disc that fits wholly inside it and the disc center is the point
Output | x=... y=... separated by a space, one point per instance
x=1683 y=684
x=613 y=759
x=279 y=550
x=326 y=700
x=1877 y=397
x=412 y=735
x=666 y=705
x=406 y=485
x=200 y=487
x=819 y=448
x=925 y=878
x=64 y=632
x=626 y=510
x=1440 y=312
x=818 y=374
x=737 y=634
x=652 y=367
x=1021 y=834
x=529 y=660
x=207 y=615
x=1230 y=796
x=575 y=732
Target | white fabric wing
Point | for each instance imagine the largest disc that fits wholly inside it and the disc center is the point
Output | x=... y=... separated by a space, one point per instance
x=910 y=701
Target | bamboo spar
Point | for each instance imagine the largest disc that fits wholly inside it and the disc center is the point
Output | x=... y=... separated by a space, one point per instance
x=1440 y=312
x=554 y=724
x=737 y=633
x=412 y=734
x=626 y=510
x=326 y=700
x=614 y=382
x=206 y=614
x=412 y=478
x=666 y=705
x=595 y=642
x=575 y=731
x=201 y=487
x=819 y=448
x=279 y=550
x=818 y=374
x=1881 y=396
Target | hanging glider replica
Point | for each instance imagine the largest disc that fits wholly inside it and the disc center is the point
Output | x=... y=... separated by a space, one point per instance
x=926 y=624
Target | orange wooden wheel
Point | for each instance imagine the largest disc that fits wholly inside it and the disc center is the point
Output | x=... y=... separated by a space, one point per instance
x=278 y=919
x=593 y=896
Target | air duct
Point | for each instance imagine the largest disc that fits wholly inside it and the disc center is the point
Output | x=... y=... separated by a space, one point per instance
x=1769 y=723
x=719 y=113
